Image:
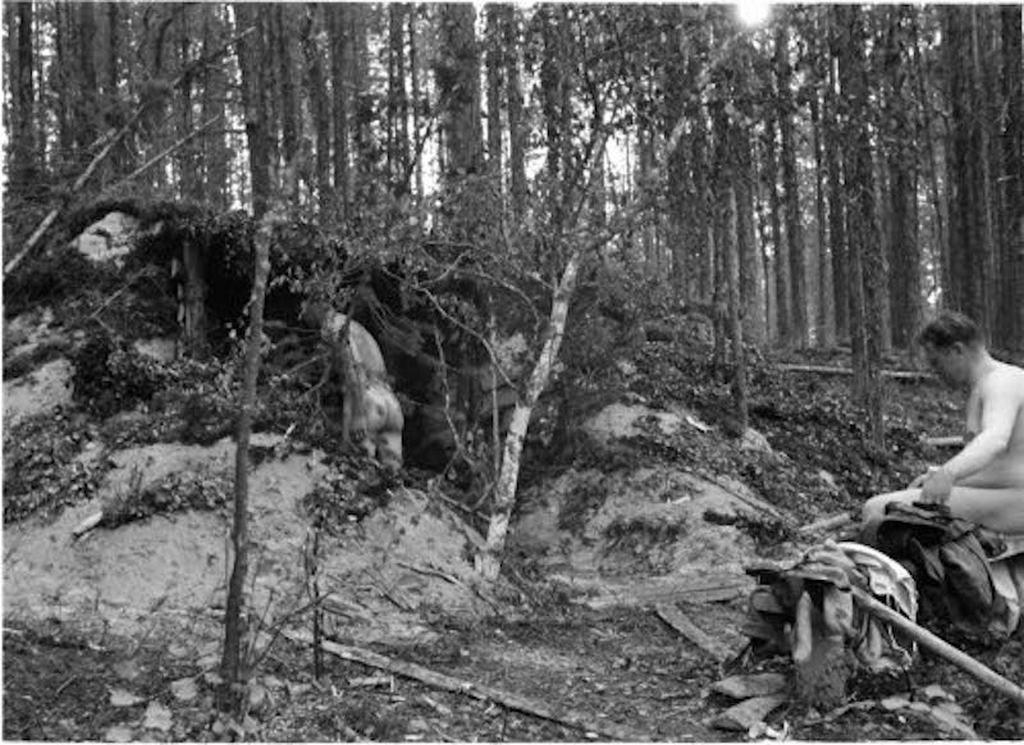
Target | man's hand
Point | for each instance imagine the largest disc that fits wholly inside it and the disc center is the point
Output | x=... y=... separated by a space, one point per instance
x=935 y=485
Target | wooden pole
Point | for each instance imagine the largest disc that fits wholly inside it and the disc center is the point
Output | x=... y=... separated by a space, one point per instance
x=940 y=647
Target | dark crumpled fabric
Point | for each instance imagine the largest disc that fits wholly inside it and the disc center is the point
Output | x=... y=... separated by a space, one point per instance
x=947 y=557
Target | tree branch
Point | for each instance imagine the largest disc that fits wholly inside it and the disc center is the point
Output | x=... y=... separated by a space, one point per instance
x=444 y=682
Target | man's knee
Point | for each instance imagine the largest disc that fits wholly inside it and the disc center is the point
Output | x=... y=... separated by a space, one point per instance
x=873 y=511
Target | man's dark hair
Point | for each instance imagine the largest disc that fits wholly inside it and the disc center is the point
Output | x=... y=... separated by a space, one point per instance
x=949 y=328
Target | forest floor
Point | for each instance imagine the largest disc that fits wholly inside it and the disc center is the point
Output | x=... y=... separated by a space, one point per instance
x=116 y=636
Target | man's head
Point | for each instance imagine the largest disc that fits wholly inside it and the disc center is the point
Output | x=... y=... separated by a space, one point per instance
x=952 y=344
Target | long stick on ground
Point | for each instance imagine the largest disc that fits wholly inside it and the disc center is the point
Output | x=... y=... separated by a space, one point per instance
x=940 y=647
x=474 y=690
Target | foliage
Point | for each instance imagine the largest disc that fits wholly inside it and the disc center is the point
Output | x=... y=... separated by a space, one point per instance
x=43 y=470
x=350 y=492
x=54 y=276
x=176 y=492
x=110 y=376
x=815 y=424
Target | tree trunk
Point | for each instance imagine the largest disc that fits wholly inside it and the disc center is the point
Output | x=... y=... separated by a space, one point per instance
x=794 y=219
x=251 y=53
x=905 y=278
x=234 y=666
x=488 y=561
x=1012 y=180
x=965 y=213
x=319 y=102
x=825 y=320
x=85 y=111
x=783 y=294
x=214 y=151
x=23 y=129
x=836 y=202
x=290 y=126
x=516 y=123
x=983 y=115
x=458 y=78
x=735 y=327
x=495 y=70
x=929 y=134
x=398 y=102
x=191 y=185
x=414 y=78
x=339 y=32
x=866 y=273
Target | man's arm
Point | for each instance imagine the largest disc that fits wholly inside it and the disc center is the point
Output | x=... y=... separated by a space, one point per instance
x=1000 y=405
x=1000 y=402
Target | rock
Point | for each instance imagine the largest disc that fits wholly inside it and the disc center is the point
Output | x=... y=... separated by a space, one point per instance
x=161 y=349
x=749 y=686
x=746 y=714
x=119 y=734
x=108 y=239
x=39 y=392
x=829 y=480
x=120 y=697
x=157 y=717
x=754 y=440
x=184 y=689
x=621 y=420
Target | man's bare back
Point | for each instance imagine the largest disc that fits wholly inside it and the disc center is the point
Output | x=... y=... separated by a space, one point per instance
x=1003 y=391
x=995 y=408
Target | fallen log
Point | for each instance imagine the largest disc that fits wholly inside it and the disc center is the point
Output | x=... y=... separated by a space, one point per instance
x=87 y=524
x=670 y=614
x=648 y=594
x=955 y=441
x=485 y=693
x=826 y=523
x=944 y=649
x=830 y=370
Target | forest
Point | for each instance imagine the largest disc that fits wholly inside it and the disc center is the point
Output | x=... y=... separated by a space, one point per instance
x=540 y=212
x=865 y=162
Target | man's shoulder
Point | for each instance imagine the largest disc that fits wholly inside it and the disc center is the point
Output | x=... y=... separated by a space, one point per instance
x=1007 y=379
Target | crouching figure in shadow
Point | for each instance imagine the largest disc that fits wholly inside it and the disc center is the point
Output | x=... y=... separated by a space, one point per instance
x=371 y=415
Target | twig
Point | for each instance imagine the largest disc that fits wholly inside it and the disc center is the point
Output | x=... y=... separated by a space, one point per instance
x=65 y=684
x=164 y=153
x=430 y=572
x=484 y=693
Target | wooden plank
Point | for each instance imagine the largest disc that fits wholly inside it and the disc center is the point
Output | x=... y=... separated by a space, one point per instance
x=543 y=710
x=670 y=614
x=651 y=593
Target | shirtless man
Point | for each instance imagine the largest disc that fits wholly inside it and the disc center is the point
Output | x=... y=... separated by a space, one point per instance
x=984 y=482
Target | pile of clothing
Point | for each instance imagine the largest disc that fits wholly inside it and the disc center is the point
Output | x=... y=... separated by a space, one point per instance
x=923 y=561
x=966 y=575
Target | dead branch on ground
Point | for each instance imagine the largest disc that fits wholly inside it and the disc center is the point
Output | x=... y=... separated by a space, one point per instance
x=507 y=699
